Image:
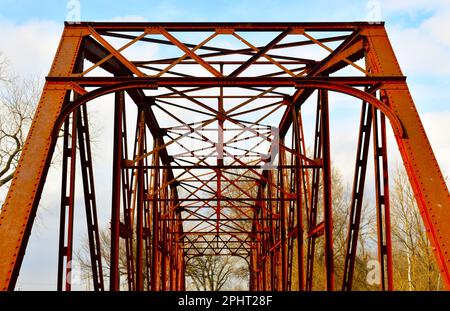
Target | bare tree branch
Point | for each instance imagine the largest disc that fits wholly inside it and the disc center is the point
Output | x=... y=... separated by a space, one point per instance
x=18 y=100
x=416 y=268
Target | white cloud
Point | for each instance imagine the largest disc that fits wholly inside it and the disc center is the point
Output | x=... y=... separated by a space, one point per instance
x=418 y=53
x=30 y=46
x=129 y=18
x=411 y=6
x=423 y=50
x=437 y=127
x=417 y=30
x=437 y=26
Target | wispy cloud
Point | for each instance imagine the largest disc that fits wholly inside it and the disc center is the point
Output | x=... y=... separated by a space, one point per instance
x=30 y=46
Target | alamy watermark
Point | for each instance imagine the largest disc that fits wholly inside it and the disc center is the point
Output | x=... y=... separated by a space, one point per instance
x=373 y=8
x=236 y=142
x=374 y=272
x=73 y=275
x=73 y=11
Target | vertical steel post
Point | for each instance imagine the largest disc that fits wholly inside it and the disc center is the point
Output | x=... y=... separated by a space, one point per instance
x=220 y=153
x=164 y=234
x=359 y=178
x=282 y=223
x=155 y=272
x=173 y=255
x=114 y=282
x=272 y=237
x=327 y=201
x=67 y=203
x=314 y=198
x=127 y=232
x=298 y=137
x=140 y=206
x=87 y=173
x=382 y=199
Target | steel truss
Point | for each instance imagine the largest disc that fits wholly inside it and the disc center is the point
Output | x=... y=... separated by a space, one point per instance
x=218 y=163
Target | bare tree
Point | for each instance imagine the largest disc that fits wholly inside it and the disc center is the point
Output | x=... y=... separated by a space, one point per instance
x=212 y=273
x=18 y=101
x=204 y=273
x=415 y=265
x=341 y=198
x=3 y=68
x=83 y=258
x=341 y=205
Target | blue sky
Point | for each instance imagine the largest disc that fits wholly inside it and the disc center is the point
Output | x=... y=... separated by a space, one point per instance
x=411 y=24
x=418 y=29
x=199 y=10
x=218 y=10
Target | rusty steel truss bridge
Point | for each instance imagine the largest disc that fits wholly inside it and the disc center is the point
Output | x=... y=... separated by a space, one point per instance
x=209 y=154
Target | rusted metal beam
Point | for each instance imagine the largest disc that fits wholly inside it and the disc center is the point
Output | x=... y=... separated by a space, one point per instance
x=67 y=204
x=226 y=81
x=87 y=173
x=427 y=181
x=116 y=190
x=255 y=26
x=19 y=209
x=359 y=178
x=382 y=200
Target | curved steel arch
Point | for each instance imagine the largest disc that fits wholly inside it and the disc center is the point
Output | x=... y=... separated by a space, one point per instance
x=325 y=85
